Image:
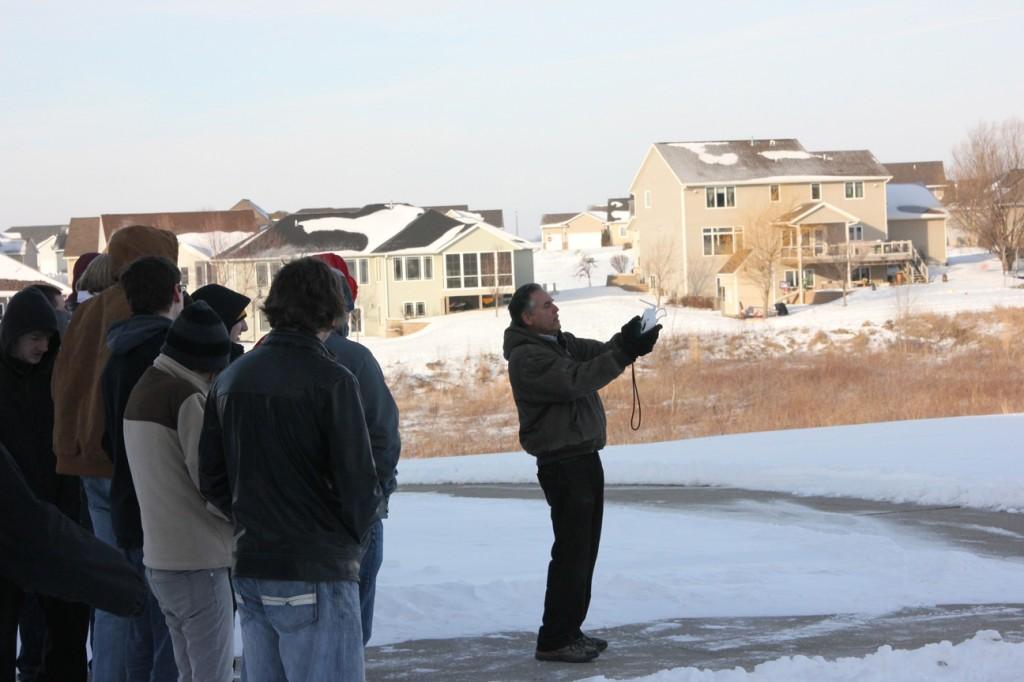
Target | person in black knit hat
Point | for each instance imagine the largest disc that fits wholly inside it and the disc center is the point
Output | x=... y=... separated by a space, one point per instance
x=186 y=547
x=231 y=307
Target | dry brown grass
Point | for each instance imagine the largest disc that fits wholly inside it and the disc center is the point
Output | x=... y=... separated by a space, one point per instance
x=933 y=366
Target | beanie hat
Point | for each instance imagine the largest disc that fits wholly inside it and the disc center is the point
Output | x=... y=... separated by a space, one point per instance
x=198 y=339
x=80 y=265
x=338 y=263
x=229 y=305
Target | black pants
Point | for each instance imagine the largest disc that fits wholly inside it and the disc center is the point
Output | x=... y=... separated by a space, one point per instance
x=574 y=489
x=67 y=625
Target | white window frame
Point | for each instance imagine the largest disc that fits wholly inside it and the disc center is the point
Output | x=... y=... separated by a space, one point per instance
x=716 y=233
x=498 y=273
x=397 y=268
x=775 y=193
x=855 y=232
x=265 y=268
x=418 y=308
x=711 y=193
x=362 y=267
x=815 y=186
x=850 y=189
x=184 y=277
x=856 y=271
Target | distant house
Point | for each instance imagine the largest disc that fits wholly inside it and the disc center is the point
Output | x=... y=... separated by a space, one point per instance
x=48 y=242
x=15 y=276
x=201 y=235
x=409 y=261
x=694 y=203
x=22 y=250
x=916 y=214
x=930 y=174
x=571 y=231
x=617 y=215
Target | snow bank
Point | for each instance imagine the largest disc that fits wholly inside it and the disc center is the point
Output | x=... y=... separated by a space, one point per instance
x=966 y=461
x=985 y=657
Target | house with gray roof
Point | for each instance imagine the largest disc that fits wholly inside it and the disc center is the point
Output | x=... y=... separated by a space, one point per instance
x=410 y=262
x=930 y=174
x=701 y=209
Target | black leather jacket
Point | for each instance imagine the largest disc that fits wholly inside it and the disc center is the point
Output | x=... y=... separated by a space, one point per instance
x=285 y=453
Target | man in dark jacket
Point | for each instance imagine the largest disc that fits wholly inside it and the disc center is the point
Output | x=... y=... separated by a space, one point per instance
x=555 y=378
x=152 y=286
x=382 y=424
x=44 y=551
x=29 y=341
x=286 y=454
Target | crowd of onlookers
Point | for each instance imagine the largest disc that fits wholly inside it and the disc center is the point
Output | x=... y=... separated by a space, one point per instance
x=157 y=479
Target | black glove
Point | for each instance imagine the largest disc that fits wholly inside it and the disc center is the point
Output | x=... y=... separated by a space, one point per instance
x=631 y=334
x=645 y=344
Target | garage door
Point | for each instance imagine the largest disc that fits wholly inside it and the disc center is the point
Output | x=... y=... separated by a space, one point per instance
x=586 y=240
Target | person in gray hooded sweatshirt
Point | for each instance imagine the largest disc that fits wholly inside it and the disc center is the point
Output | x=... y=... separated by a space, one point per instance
x=382 y=424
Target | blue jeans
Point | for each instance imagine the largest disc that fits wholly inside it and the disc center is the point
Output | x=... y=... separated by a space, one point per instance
x=150 y=653
x=300 y=631
x=109 y=632
x=373 y=557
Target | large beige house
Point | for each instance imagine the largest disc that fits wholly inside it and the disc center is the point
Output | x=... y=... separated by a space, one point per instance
x=410 y=262
x=707 y=212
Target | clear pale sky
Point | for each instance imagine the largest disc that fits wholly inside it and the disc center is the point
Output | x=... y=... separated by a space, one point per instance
x=528 y=106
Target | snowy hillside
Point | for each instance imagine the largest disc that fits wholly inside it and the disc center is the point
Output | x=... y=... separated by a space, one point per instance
x=975 y=282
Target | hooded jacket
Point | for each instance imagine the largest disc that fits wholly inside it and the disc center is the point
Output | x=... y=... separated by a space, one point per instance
x=229 y=306
x=79 y=414
x=41 y=550
x=26 y=408
x=555 y=382
x=134 y=345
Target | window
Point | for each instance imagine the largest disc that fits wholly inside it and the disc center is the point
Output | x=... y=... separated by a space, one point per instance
x=622 y=230
x=647 y=198
x=487 y=273
x=860 y=273
x=855 y=190
x=412 y=267
x=488 y=269
x=262 y=275
x=719 y=241
x=184 y=277
x=261 y=319
x=856 y=233
x=773 y=191
x=274 y=269
x=721 y=197
x=790 y=280
x=415 y=309
x=355 y=321
x=470 y=270
x=816 y=191
x=363 y=268
x=808 y=278
x=428 y=267
x=453 y=268
x=200 y=276
x=397 y=265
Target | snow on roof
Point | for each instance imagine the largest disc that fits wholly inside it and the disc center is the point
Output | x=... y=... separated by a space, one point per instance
x=468 y=217
x=210 y=244
x=11 y=269
x=378 y=227
x=775 y=155
x=700 y=149
x=10 y=244
x=911 y=201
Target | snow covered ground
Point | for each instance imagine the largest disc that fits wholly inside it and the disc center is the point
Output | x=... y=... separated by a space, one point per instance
x=967 y=461
x=984 y=657
x=975 y=282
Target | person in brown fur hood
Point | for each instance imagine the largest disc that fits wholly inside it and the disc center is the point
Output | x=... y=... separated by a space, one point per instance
x=79 y=415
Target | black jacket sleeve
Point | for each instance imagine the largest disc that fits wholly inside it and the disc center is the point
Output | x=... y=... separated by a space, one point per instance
x=42 y=550
x=352 y=473
x=382 y=423
x=214 y=484
x=544 y=375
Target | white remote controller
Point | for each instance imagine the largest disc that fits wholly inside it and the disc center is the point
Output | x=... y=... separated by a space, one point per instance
x=649 y=319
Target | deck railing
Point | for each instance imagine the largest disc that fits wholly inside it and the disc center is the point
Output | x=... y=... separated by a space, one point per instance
x=860 y=251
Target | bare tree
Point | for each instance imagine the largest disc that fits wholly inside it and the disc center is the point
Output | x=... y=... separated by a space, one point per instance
x=763 y=238
x=700 y=272
x=585 y=267
x=988 y=169
x=840 y=268
x=619 y=262
x=660 y=263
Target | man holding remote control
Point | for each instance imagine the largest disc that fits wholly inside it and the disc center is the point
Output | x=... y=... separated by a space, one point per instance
x=555 y=378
